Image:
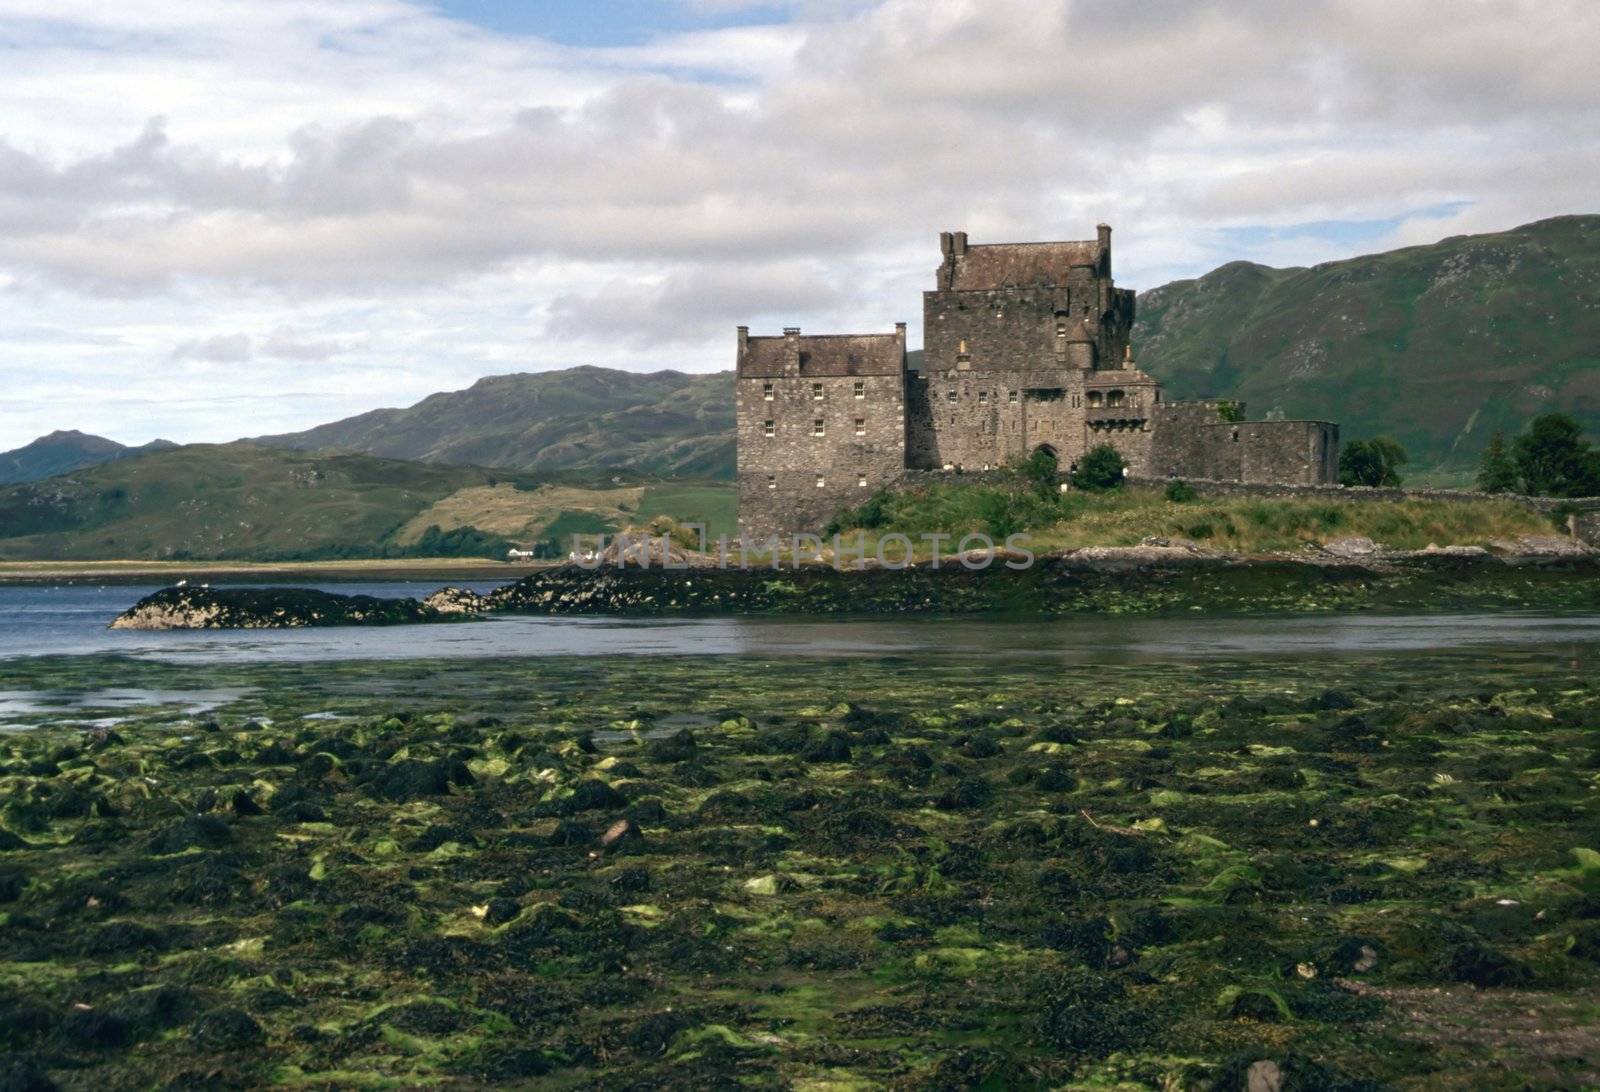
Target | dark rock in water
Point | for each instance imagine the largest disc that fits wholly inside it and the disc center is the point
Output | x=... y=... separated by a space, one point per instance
x=1257 y=1005
x=678 y=747
x=631 y=881
x=123 y=936
x=152 y=1010
x=648 y=810
x=270 y=608
x=203 y=831
x=833 y=747
x=227 y=1029
x=20 y=1075
x=592 y=794
x=94 y=1029
x=501 y=910
x=1480 y=965
x=409 y=779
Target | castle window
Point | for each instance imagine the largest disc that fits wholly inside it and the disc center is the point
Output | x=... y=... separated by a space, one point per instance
x=861 y=426
x=769 y=427
x=861 y=388
x=953 y=395
x=821 y=481
x=766 y=391
x=818 y=428
x=861 y=481
x=816 y=392
x=1235 y=436
x=1114 y=398
x=772 y=481
x=1094 y=399
x=983 y=398
x=1011 y=397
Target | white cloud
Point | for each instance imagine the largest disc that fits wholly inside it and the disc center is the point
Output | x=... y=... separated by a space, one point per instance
x=375 y=189
x=219 y=349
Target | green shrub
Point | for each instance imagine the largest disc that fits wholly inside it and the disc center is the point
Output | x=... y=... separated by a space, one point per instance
x=1372 y=462
x=1554 y=460
x=1101 y=469
x=1496 y=472
x=1181 y=492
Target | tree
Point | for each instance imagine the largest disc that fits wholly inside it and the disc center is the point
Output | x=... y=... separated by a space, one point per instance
x=1372 y=462
x=1042 y=469
x=1496 y=472
x=1102 y=468
x=1554 y=460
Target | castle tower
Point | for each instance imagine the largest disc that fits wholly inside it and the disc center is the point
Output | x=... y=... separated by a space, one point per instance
x=1012 y=333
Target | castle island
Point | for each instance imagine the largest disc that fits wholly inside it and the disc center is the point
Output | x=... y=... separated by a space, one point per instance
x=1027 y=347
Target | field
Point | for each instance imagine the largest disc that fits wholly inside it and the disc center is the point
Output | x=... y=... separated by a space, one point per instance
x=1125 y=517
x=658 y=872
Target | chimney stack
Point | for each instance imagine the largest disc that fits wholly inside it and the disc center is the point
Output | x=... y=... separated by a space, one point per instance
x=960 y=243
x=945 y=243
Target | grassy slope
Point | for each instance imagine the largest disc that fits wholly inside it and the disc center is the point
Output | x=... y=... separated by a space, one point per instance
x=658 y=423
x=239 y=501
x=1125 y=517
x=220 y=501
x=1436 y=345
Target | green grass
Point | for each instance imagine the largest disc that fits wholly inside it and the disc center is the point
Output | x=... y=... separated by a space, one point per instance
x=713 y=504
x=1126 y=517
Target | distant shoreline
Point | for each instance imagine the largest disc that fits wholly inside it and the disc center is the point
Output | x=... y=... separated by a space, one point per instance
x=235 y=572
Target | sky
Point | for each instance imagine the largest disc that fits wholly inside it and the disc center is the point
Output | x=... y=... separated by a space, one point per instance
x=223 y=218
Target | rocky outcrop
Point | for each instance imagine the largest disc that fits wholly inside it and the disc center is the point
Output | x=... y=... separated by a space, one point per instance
x=457 y=601
x=1158 y=575
x=267 y=608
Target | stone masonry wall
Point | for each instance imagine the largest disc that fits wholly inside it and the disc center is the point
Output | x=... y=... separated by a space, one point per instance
x=862 y=447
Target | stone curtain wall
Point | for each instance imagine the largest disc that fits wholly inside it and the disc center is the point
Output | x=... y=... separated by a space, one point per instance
x=968 y=419
x=1197 y=439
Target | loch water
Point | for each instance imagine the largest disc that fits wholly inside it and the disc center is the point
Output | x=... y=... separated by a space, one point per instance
x=73 y=620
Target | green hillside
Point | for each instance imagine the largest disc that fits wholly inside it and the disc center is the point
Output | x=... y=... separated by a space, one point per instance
x=664 y=423
x=248 y=502
x=1435 y=345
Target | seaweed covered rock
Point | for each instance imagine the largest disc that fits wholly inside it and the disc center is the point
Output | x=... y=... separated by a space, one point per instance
x=269 y=608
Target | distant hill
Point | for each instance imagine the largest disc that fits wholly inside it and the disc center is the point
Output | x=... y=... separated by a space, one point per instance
x=667 y=423
x=1435 y=345
x=245 y=501
x=62 y=452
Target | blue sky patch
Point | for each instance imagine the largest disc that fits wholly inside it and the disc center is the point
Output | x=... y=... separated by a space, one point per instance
x=607 y=23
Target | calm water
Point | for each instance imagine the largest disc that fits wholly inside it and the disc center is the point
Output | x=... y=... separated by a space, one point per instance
x=72 y=620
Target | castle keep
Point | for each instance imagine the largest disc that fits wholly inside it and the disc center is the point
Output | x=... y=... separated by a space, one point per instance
x=1026 y=347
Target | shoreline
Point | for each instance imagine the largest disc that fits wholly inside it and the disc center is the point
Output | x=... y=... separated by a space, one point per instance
x=24 y=573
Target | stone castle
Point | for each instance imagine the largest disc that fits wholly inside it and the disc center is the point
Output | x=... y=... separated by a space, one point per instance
x=1026 y=347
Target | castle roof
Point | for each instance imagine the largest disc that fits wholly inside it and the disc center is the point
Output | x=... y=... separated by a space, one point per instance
x=826 y=355
x=1002 y=265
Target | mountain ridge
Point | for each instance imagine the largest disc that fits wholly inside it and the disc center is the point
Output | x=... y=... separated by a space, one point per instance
x=66 y=450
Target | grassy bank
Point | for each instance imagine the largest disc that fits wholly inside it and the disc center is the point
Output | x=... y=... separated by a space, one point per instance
x=644 y=872
x=170 y=572
x=1124 y=517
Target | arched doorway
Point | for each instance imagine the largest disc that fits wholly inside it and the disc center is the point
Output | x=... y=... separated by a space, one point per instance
x=1044 y=463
